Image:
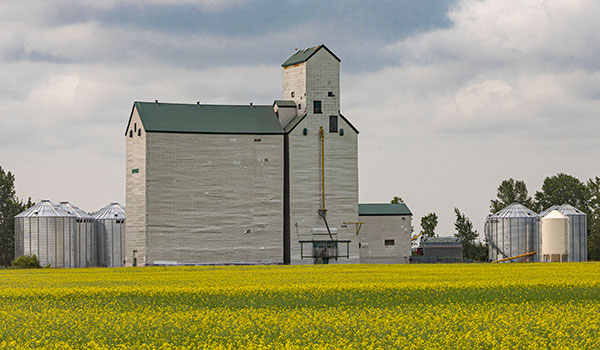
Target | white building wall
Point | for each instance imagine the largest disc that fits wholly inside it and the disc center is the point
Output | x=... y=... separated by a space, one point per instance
x=341 y=163
x=322 y=77
x=341 y=184
x=294 y=78
x=215 y=198
x=376 y=229
x=135 y=196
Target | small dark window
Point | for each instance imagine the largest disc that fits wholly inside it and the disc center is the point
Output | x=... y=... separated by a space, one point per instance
x=257 y=140
x=130 y=133
x=317 y=107
x=139 y=132
x=341 y=131
x=330 y=94
x=293 y=94
x=305 y=131
x=299 y=105
x=134 y=127
x=333 y=123
x=389 y=242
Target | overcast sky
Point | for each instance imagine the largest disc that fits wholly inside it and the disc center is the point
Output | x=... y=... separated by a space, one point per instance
x=451 y=97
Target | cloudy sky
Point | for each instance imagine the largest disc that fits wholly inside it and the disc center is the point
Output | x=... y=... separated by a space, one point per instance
x=451 y=97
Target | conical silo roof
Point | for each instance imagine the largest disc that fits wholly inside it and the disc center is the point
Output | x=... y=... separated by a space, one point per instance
x=565 y=209
x=70 y=208
x=45 y=208
x=515 y=210
x=555 y=214
x=111 y=211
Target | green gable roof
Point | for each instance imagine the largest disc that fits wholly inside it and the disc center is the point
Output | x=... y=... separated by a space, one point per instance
x=383 y=209
x=302 y=56
x=208 y=119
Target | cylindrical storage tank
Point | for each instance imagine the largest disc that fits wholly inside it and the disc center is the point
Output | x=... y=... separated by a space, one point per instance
x=555 y=237
x=577 y=233
x=511 y=232
x=46 y=231
x=110 y=224
x=84 y=239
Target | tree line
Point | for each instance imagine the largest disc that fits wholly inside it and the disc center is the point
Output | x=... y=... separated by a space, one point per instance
x=556 y=190
x=10 y=206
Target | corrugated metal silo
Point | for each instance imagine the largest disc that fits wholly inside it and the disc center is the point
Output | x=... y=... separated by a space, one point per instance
x=578 y=230
x=110 y=224
x=48 y=232
x=512 y=231
x=84 y=240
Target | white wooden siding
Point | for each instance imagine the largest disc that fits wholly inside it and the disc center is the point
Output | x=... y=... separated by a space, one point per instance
x=135 y=196
x=215 y=198
x=341 y=184
x=377 y=229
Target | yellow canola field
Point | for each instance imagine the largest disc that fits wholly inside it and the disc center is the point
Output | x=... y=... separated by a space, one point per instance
x=460 y=306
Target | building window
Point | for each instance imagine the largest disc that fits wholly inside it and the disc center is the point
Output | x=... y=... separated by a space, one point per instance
x=130 y=133
x=139 y=132
x=333 y=123
x=330 y=94
x=299 y=105
x=389 y=242
x=134 y=127
x=293 y=94
x=317 y=107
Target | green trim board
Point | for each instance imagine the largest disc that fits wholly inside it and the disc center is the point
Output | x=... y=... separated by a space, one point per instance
x=383 y=209
x=349 y=124
x=207 y=119
x=304 y=55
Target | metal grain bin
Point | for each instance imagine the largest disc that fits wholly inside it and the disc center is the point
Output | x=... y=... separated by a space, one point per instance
x=512 y=231
x=578 y=230
x=555 y=237
x=84 y=240
x=48 y=232
x=110 y=228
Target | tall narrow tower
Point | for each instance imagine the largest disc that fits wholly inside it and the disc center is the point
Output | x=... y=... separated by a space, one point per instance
x=322 y=193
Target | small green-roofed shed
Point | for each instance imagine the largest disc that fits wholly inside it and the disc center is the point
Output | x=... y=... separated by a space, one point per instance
x=284 y=103
x=383 y=209
x=304 y=55
x=207 y=119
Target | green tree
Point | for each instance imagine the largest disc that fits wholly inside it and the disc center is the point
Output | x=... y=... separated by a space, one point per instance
x=397 y=200
x=560 y=189
x=9 y=207
x=428 y=224
x=593 y=217
x=472 y=248
x=511 y=191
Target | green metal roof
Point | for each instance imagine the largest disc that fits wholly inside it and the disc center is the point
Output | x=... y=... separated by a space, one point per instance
x=383 y=209
x=302 y=56
x=208 y=119
x=284 y=103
